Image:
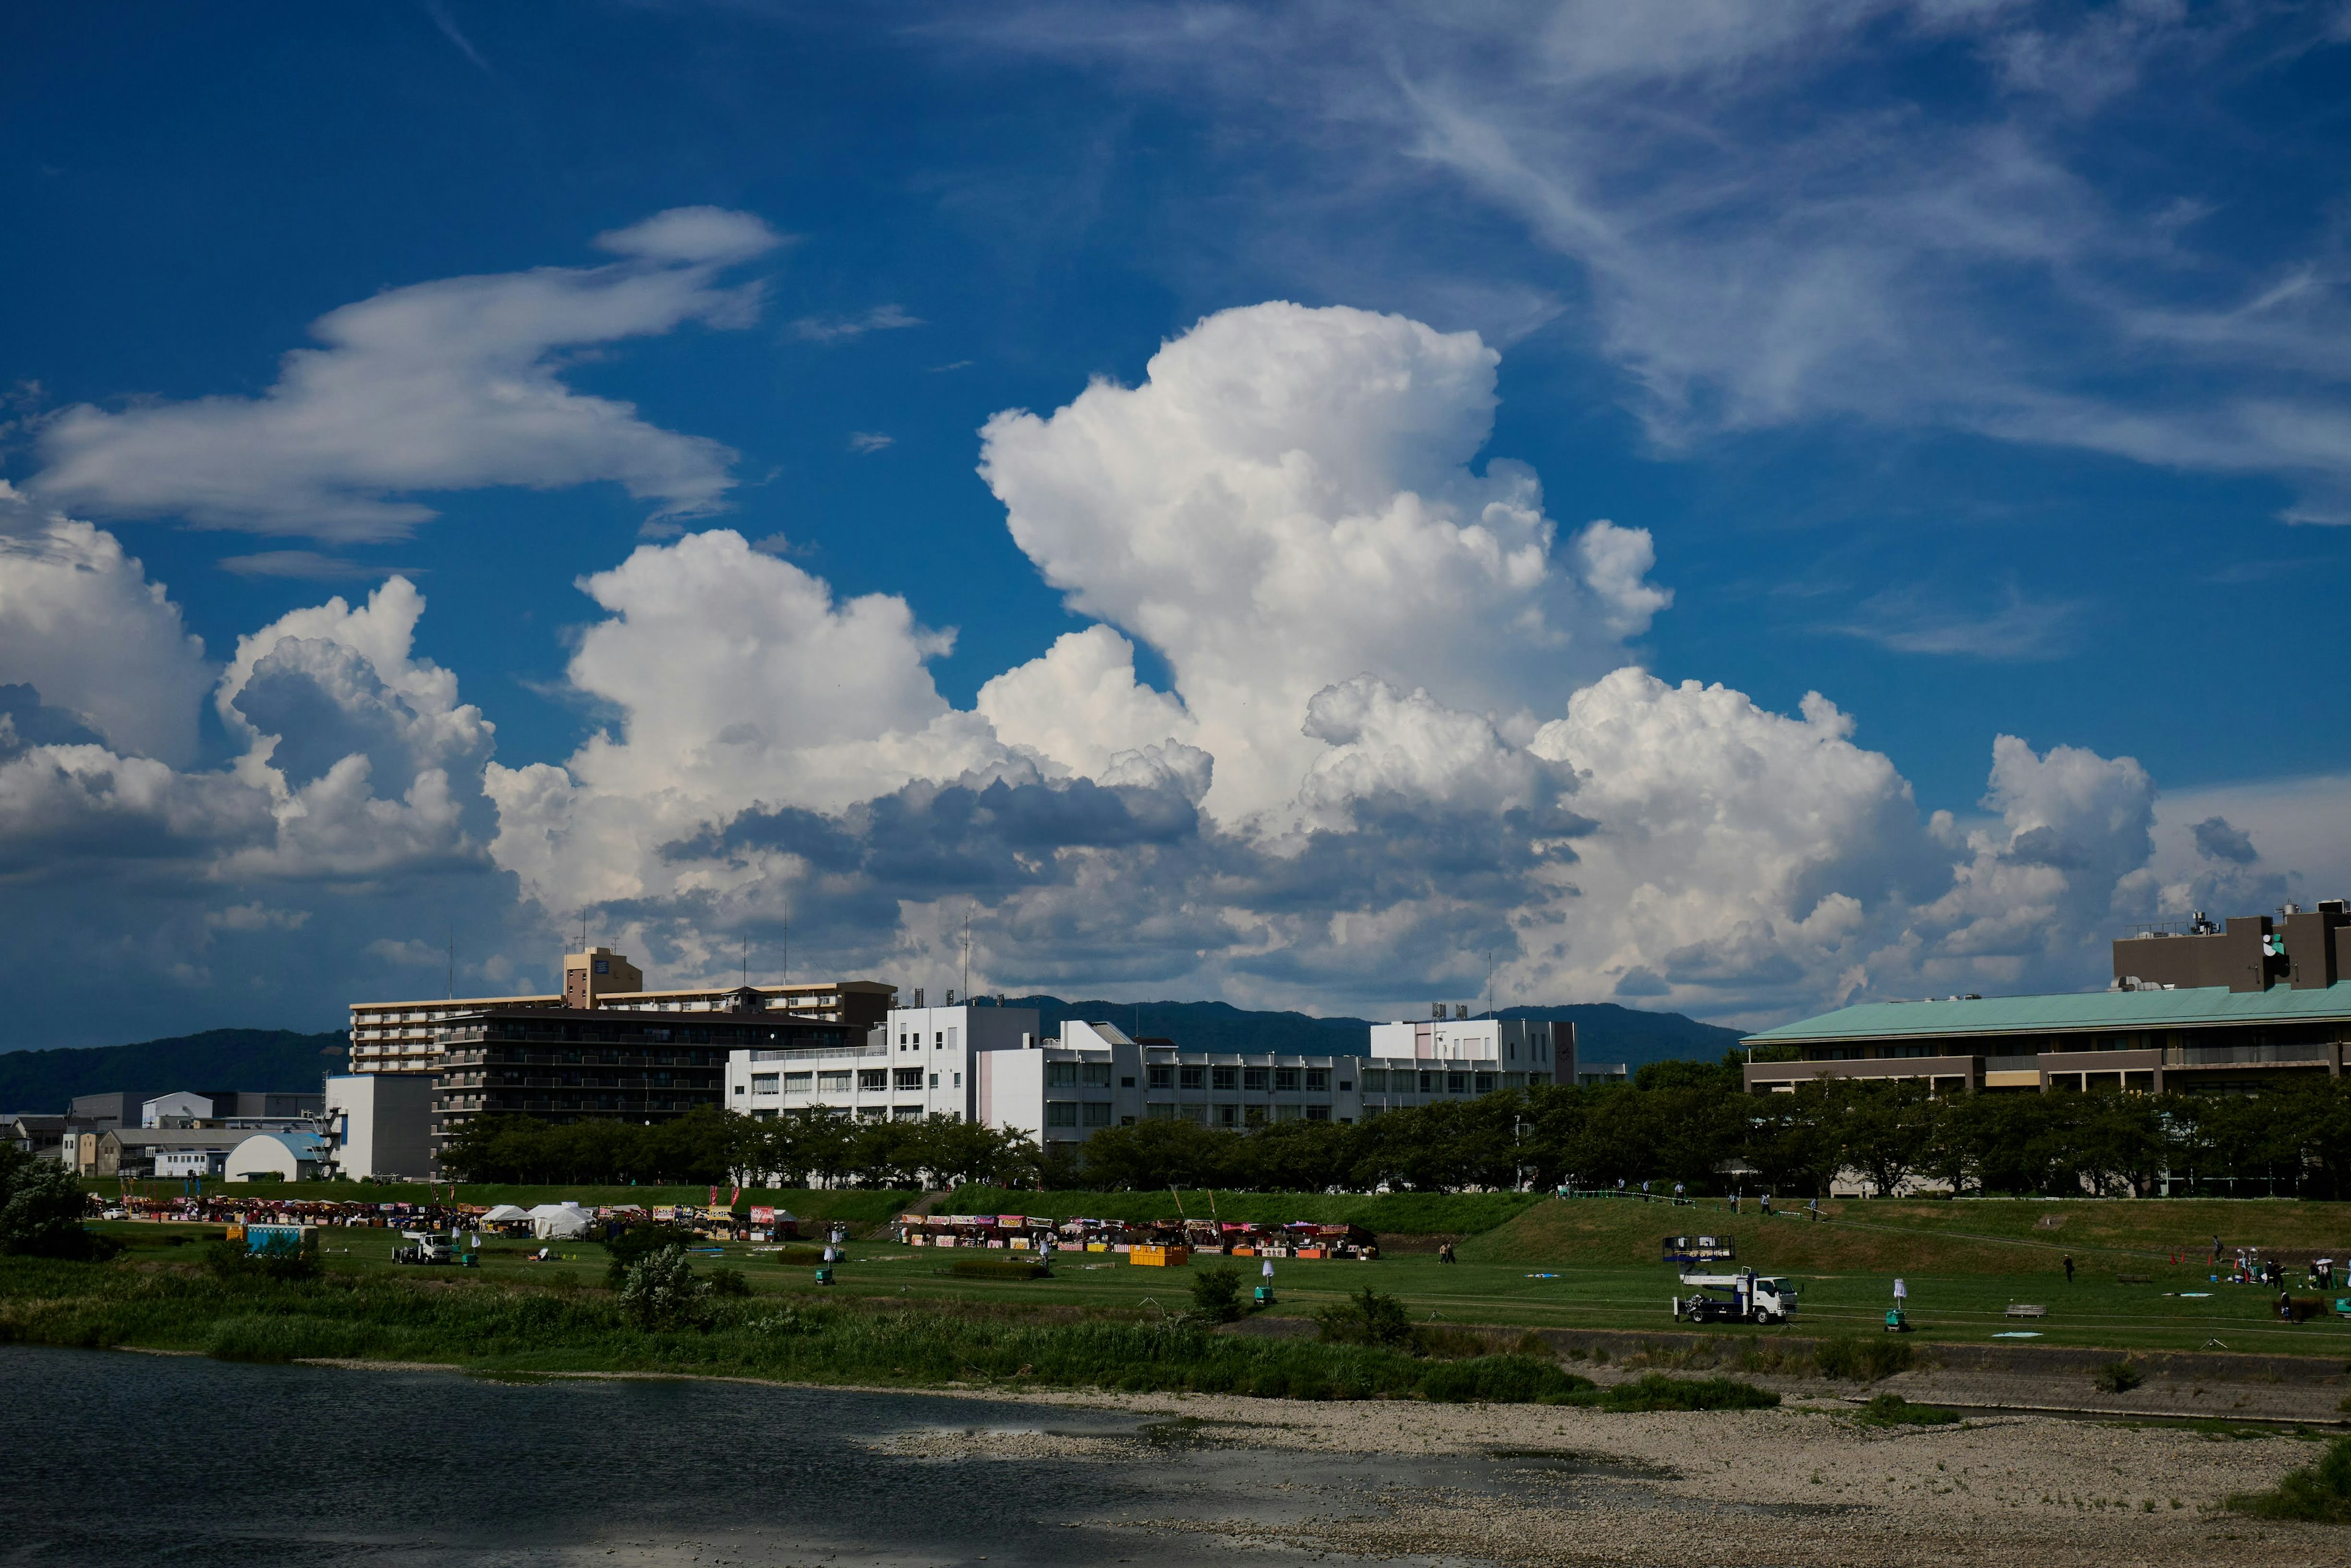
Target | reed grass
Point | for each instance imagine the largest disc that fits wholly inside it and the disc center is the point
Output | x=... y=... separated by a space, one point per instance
x=494 y=1327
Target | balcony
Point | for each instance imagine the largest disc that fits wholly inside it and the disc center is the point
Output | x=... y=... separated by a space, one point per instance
x=804 y=1052
x=2316 y=1053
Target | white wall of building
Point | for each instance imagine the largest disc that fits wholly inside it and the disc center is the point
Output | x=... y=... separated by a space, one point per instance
x=194 y=1107
x=380 y=1125
x=1498 y=1045
x=175 y=1163
x=917 y=1064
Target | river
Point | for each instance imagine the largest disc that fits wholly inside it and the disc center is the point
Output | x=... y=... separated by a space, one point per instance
x=113 y=1458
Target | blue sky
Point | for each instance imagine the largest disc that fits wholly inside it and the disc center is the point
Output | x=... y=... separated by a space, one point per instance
x=1977 y=367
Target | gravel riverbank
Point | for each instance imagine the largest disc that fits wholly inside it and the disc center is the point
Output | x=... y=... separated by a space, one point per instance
x=1798 y=1486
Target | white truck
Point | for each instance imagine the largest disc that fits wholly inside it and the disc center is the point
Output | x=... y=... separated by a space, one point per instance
x=425 y=1247
x=1747 y=1297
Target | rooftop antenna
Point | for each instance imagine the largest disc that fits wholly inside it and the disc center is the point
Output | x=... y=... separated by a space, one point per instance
x=453 y=957
x=788 y=952
x=583 y=928
x=966 y=950
x=747 y=957
x=1489 y=983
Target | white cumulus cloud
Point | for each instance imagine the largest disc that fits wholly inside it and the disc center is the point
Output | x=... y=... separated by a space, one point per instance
x=81 y=624
x=1285 y=503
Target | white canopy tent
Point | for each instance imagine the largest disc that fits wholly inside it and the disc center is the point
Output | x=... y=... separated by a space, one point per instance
x=558 y=1221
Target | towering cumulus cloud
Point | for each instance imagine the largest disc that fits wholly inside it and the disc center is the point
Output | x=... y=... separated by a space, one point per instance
x=1405 y=736
x=1407 y=733
x=1286 y=502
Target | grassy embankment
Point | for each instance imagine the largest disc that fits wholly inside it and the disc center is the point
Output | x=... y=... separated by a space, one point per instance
x=853 y=1204
x=1588 y=1264
x=1404 y=1213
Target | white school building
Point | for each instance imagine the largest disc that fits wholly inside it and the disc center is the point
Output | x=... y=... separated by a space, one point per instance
x=993 y=1065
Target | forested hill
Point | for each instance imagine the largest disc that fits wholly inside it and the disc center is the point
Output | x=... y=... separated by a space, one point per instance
x=1603 y=1032
x=244 y=1059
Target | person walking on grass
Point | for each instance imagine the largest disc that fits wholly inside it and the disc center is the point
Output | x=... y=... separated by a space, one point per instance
x=1445 y=1252
x=2069 y=1268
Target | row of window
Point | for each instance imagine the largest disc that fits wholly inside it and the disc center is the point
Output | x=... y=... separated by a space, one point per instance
x=1258 y=1080
x=862 y=1113
x=1239 y=1115
x=870 y=1080
x=941 y=1040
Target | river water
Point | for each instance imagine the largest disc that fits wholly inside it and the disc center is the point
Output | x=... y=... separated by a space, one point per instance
x=112 y=1457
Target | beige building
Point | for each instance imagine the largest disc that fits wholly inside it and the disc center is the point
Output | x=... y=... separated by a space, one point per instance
x=405 y=1037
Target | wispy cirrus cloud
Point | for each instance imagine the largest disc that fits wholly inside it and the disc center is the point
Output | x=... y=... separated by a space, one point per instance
x=306 y=566
x=1911 y=620
x=1770 y=212
x=847 y=328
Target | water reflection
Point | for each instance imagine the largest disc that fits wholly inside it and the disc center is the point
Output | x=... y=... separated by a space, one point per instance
x=115 y=1457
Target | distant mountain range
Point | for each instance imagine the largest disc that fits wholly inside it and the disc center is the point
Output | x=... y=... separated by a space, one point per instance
x=260 y=1059
x=276 y=1058
x=1603 y=1032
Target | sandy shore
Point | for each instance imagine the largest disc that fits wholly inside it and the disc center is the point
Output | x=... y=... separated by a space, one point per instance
x=1790 y=1486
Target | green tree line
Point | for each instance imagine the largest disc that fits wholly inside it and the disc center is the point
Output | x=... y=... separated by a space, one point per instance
x=1677 y=1122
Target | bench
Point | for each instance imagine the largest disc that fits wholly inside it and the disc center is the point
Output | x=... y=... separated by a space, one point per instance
x=2133 y=1279
x=2025 y=1310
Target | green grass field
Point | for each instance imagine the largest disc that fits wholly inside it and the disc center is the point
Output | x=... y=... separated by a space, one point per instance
x=1592 y=1264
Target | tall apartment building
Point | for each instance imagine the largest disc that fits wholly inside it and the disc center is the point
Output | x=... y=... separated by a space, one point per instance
x=2208 y=1007
x=403 y=1037
x=992 y=1065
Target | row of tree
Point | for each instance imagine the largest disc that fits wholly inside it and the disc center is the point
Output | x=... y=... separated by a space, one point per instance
x=1677 y=1122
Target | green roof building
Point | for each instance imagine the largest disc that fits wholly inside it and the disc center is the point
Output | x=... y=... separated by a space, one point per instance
x=2261 y=998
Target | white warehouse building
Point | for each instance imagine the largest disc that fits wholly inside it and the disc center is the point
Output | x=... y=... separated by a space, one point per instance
x=994 y=1065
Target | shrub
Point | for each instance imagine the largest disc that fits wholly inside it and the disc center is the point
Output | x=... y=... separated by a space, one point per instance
x=1216 y=1294
x=1502 y=1379
x=2117 y=1377
x=41 y=1208
x=1658 y=1392
x=660 y=1292
x=728 y=1283
x=799 y=1257
x=638 y=1242
x=999 y=1268
x=1862 y=1360
x=233 y=1260
x=1893 y=1410
x=1365 y=1317
x=2320 y=1493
